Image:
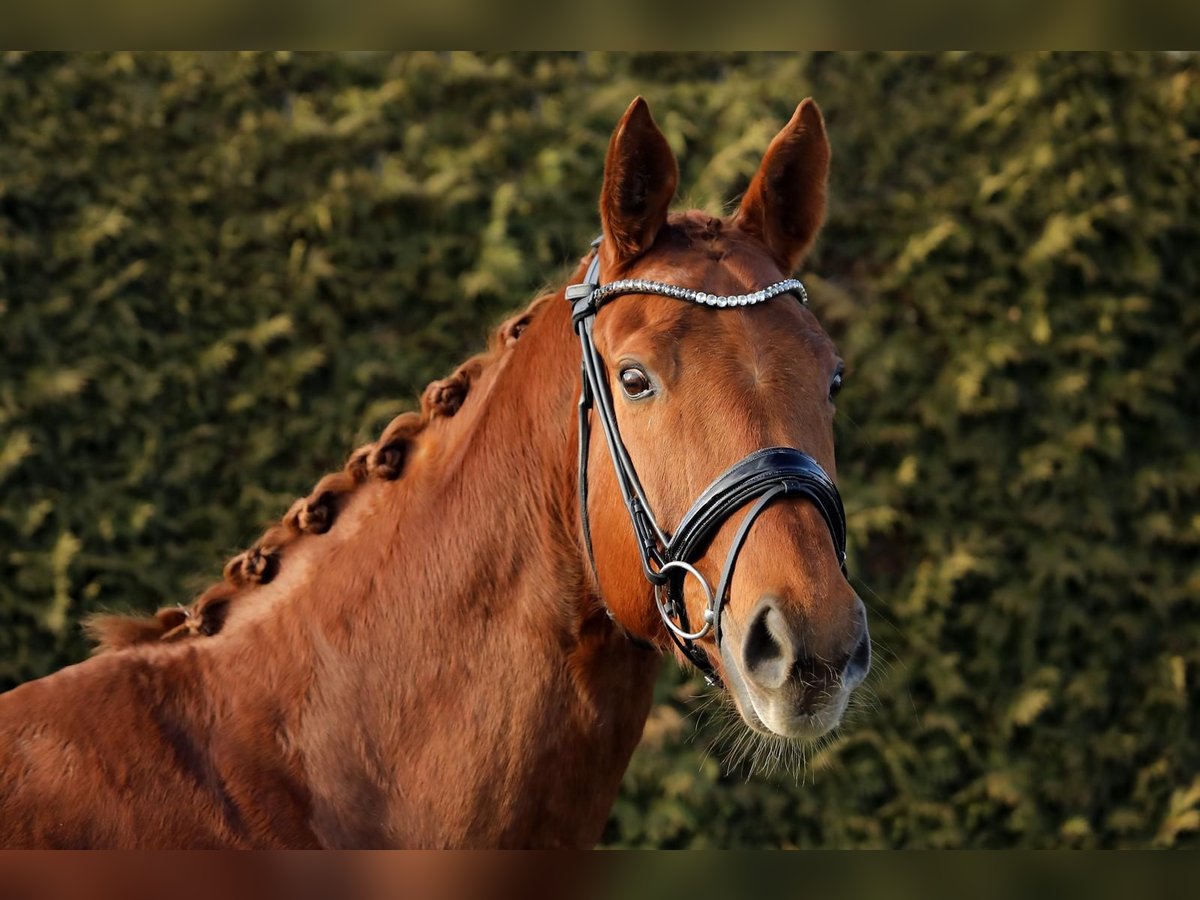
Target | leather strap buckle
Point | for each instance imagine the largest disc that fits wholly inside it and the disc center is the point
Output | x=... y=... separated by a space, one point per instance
x=579 y=291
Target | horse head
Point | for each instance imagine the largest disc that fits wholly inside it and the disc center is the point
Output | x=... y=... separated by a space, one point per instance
x=706 y=360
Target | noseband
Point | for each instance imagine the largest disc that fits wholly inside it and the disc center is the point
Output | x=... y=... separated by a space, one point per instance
x=760 y=478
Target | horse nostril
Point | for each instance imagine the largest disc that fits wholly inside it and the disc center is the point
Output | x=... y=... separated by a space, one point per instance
x=859 y=663
x=767 y=651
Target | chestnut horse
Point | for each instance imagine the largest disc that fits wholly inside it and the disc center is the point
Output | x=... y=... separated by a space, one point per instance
x=435 y=648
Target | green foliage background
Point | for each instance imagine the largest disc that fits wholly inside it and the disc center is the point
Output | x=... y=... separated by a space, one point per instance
x=219 y=273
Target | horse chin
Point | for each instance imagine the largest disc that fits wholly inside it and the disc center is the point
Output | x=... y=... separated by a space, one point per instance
x=770 y=716
x=807 y=727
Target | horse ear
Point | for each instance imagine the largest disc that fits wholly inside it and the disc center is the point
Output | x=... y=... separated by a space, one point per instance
x=640 y=177
x=785 y=203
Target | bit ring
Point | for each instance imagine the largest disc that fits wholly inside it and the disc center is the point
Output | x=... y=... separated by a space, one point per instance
x=709 y=615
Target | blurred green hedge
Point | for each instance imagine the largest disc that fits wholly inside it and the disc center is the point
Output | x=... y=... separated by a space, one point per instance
x=219 y=273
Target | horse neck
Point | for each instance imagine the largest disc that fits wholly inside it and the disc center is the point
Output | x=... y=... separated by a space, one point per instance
x=460 y=678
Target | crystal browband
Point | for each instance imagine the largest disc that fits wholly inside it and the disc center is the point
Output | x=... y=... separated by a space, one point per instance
x=641 y=286
x=587 y=299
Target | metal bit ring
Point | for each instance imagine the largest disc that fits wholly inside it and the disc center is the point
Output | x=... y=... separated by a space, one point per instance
x=688 y=569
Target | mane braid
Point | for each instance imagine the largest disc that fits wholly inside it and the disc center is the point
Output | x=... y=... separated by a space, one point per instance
x=314 y=514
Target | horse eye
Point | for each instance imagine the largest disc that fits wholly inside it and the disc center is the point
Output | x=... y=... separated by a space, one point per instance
x=835 y=385
x=635 y=383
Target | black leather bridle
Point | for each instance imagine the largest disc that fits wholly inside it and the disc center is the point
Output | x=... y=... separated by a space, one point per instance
x=761 y=477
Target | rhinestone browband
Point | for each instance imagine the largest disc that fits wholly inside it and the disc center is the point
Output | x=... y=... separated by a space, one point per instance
x=613 y=289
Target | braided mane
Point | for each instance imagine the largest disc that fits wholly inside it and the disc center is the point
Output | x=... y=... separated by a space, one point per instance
x=313 y=514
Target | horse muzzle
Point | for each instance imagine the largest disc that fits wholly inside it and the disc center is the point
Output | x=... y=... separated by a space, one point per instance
x=781 y=689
